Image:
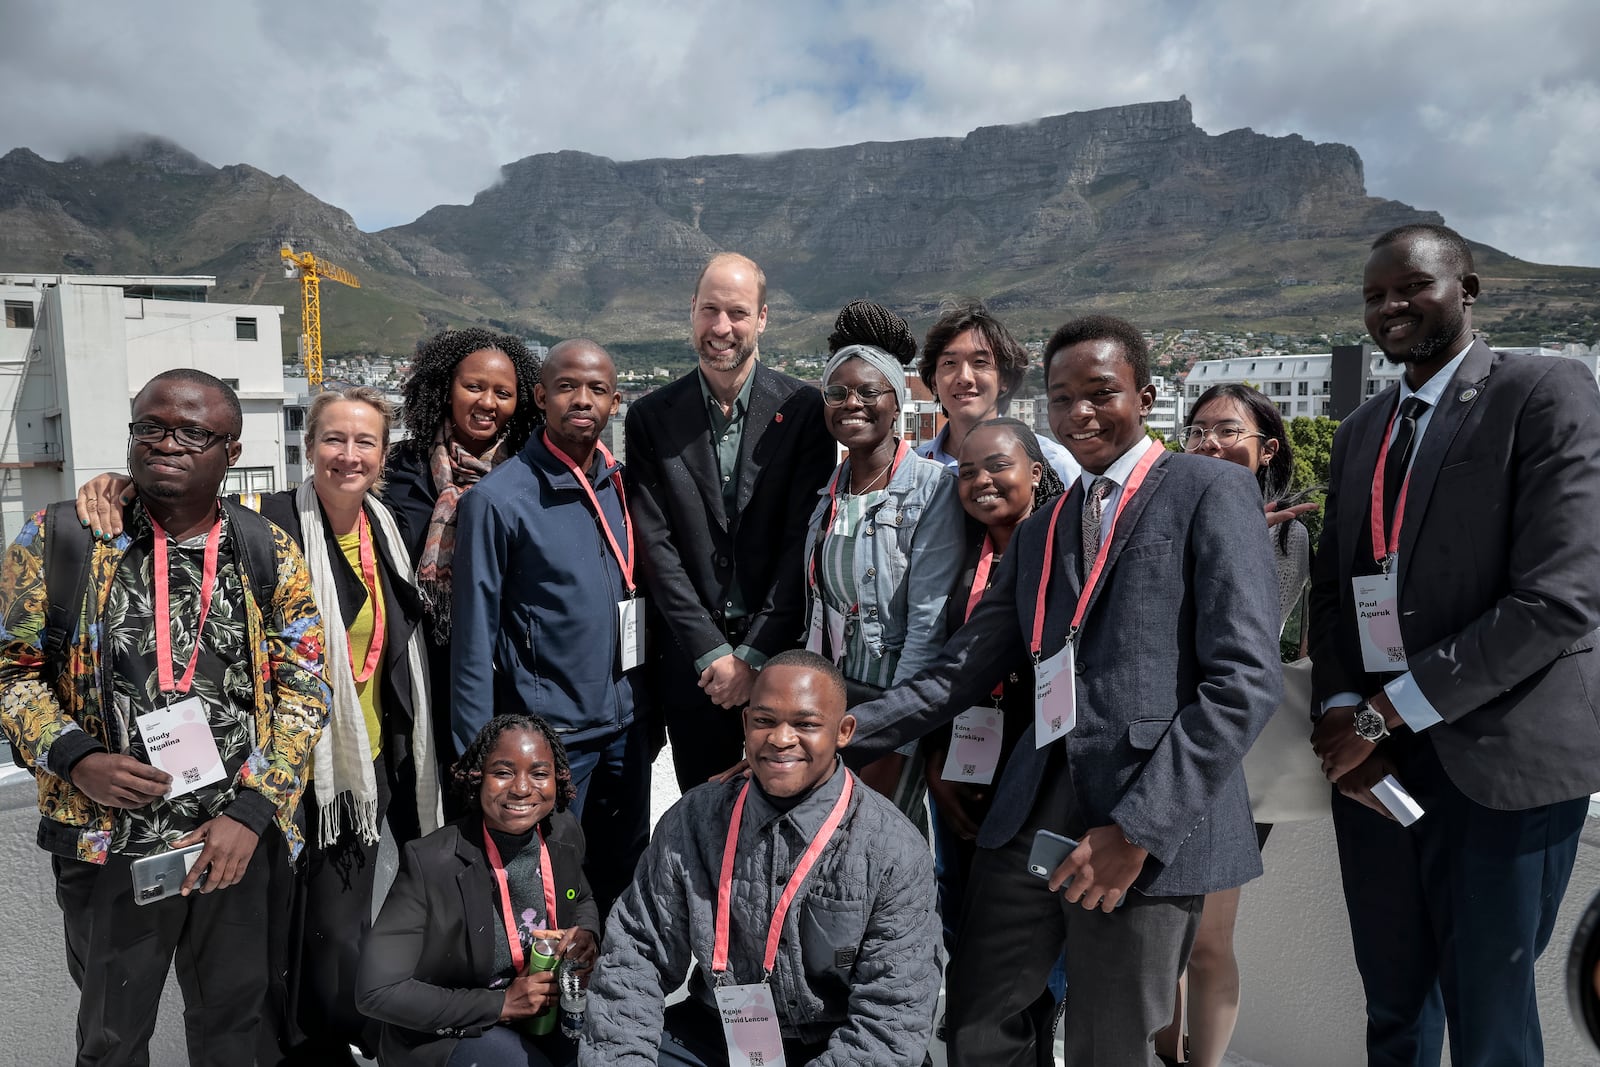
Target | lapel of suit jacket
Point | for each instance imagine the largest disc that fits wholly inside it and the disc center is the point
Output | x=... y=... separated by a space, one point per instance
x=690 y=426
x=758 y=421
x=1355 y=486
x=1455 y=404
x=478 y=893
x=1126 y=522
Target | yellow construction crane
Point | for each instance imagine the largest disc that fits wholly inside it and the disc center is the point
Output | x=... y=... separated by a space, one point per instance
x=310 y=270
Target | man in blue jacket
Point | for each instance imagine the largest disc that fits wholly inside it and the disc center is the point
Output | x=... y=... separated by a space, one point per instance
x=546 y=617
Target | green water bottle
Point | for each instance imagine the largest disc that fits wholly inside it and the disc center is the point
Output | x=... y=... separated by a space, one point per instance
x=542 y=957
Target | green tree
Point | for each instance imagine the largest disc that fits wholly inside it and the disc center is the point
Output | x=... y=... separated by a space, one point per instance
x=1312 y=441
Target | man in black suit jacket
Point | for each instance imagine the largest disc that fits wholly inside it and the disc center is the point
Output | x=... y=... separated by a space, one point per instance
x=1479 y=699
x=1176 y=673
x=723 y=468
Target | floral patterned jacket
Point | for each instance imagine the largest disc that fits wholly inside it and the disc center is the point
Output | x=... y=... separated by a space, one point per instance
x=58 y=721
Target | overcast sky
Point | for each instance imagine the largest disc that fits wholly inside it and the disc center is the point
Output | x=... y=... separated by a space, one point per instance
x=1487 y=112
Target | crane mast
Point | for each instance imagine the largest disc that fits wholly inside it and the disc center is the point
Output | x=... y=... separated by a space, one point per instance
x=310 y=270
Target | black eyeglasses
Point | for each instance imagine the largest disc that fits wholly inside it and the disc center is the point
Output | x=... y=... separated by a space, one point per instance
x=1192 y=437
x=835 y=395
x=193 y=438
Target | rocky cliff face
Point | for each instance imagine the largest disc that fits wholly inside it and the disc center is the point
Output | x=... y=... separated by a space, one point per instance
x=1130 y=208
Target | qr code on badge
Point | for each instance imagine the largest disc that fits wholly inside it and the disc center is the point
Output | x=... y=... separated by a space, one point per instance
x=1395 y=654
x=758 y=1059
x=969 y=768
x=191 y=775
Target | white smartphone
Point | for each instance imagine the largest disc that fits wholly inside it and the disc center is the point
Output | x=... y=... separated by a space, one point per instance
x=161 y=876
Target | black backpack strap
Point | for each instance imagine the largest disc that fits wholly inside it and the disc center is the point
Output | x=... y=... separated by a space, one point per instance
x=257 y=548
x=68 y=550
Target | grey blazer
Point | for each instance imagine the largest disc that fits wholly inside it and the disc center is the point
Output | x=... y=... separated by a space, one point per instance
x=1499 y=574
x=1177 y=673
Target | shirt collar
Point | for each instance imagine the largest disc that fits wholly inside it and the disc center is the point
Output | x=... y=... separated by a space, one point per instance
x=808 y=816
x=1434 y=387
x=1119 y=471
x=740 y=402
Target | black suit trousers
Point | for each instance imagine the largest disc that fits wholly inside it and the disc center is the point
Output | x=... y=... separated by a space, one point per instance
x=119 y=952
x=1466 y=897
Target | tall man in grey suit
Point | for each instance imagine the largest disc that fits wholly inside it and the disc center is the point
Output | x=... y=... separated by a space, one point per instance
x=1176 y=650
x=1461 y=513
x=723 y=470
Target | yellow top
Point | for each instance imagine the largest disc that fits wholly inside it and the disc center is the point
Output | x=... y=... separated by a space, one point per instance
x=360 y=631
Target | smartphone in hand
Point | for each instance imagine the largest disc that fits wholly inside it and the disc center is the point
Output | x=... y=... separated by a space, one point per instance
x=1049 y=851
x=161 y=876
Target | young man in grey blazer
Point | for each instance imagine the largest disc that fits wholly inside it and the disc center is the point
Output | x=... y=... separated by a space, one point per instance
x=1486 y=468
x=1176 y=671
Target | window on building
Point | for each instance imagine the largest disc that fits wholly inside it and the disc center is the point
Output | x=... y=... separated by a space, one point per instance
x=248 y=480
x=1284 y=406
x=294 y=418
x=231 y=383
x=1327 y=386
x=291 y=455
x=1305 y=389
x=19 y=314
x=1277 y=388
x=244 y=329
x=1372 y=387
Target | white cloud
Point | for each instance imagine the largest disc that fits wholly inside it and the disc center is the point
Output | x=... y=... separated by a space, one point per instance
x=1482 y=111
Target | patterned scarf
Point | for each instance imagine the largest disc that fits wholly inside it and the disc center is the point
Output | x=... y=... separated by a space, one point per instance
x=455 y=470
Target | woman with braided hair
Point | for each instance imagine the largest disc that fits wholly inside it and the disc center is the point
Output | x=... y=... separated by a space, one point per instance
x=885 y=539
x=444 y=966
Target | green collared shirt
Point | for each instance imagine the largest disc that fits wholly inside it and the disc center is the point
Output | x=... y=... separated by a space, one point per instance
x=727 y=440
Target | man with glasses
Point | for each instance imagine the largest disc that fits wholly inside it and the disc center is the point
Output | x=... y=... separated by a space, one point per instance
x=183 y=716
x=723 y=468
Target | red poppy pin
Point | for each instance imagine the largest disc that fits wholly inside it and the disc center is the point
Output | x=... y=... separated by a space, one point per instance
x=778 y=417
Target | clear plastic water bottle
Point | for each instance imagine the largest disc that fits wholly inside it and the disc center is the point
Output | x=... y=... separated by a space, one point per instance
x=574 y=1000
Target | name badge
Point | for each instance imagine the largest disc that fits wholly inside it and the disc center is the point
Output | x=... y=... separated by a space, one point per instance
x=178 y=740
x=629 y=614
x=974 y=746
x=750 y=1025
x=1378 y=623
x=1055 y=696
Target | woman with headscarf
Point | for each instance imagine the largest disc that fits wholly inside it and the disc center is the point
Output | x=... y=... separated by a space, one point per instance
x=885 y=540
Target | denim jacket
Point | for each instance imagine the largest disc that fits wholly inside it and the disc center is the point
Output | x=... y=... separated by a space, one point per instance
x=908 y=562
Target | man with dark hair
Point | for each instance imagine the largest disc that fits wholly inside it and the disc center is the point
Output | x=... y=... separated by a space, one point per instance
x=846 y=976
x=547 y=618
x=179 y=661
x=1454 y=604
x=972 y=365
x=724 y=466
x=1147 y=597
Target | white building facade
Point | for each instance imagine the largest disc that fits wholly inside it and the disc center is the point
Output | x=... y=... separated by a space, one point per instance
x=1303 y=385
x=76 y=349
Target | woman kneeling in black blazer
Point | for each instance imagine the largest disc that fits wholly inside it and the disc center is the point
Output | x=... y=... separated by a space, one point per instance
x=439 y=968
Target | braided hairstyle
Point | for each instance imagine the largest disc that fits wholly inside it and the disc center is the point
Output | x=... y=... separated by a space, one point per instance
x=466 y=777
x=1050 y=484
x=433 y=370
x=863 y=322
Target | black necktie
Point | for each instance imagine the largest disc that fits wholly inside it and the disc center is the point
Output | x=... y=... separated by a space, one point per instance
x=1400 y=450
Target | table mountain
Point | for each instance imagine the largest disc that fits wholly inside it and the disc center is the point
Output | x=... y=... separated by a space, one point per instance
x=1133 y=209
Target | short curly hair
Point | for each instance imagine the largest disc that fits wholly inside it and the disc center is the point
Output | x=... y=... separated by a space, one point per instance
x=1135 y=350
x=433 y=368
x=466 y=776
x=1010 y=358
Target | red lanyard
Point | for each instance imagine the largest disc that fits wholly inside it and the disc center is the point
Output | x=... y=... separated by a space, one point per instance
x=833 y=506
x=163 y=620
x=980 y=585
x=513 y=938
x=808 y=859
x=625 y=562
x=1152 y=453
x=1384 y=550
x=369 y=577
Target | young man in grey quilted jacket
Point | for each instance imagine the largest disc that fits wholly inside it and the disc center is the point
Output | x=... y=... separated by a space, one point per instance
x=854 y=977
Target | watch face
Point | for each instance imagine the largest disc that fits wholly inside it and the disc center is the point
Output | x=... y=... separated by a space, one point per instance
x=1369 y=725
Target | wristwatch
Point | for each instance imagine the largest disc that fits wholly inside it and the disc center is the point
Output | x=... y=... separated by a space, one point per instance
x=1370 y=725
